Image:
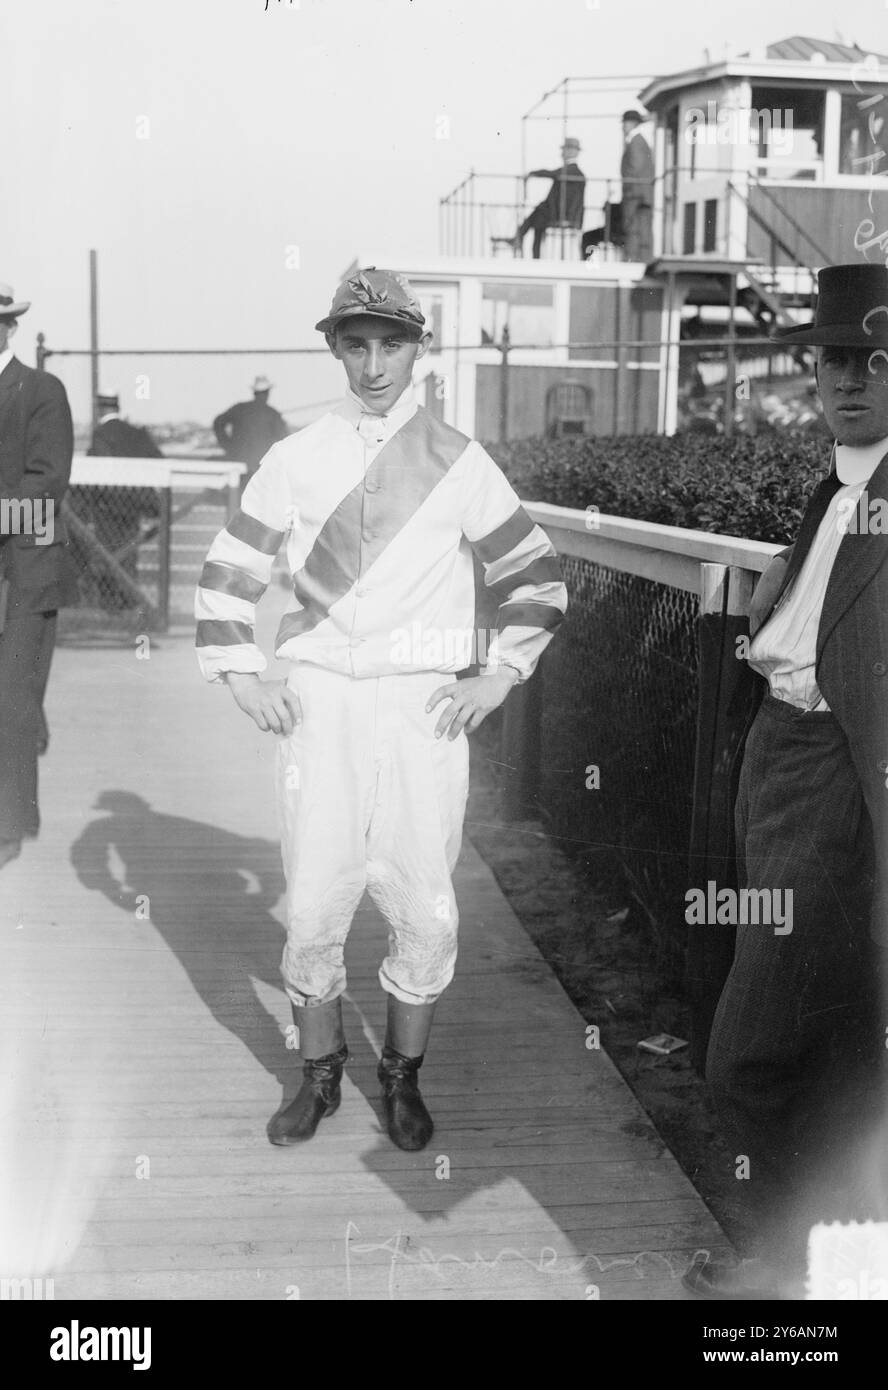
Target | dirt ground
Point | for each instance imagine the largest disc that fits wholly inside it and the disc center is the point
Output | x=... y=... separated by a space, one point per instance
x=604 y=957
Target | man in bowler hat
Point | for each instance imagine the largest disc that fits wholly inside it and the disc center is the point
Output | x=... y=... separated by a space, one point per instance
x=637 y=175
x=563 y=204
x=37 y=574
x=794 y=1060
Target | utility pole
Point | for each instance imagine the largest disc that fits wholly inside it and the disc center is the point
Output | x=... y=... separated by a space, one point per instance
x=94 y=335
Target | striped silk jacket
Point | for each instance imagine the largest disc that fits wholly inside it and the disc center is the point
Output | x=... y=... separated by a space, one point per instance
x=381 y=517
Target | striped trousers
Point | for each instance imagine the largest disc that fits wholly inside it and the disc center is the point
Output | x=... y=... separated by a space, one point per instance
x=794 y=1056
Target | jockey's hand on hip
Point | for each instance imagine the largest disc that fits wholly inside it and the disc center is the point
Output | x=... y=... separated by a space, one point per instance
x=471 y=700
x=272 y=705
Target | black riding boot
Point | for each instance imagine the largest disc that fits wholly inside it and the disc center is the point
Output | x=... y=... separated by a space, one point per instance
x=324 y=1053
x=409 y=1124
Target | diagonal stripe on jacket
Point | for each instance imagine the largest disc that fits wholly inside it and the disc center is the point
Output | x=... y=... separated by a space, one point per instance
x=375 y=546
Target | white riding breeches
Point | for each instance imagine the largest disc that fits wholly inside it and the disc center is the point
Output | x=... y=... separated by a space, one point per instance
x=369 y=798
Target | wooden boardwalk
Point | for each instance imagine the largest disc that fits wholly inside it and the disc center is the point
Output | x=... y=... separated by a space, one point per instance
x=143 y=1049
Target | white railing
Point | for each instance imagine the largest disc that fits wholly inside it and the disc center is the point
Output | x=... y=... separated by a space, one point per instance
x=162 y=473
x=667 y=554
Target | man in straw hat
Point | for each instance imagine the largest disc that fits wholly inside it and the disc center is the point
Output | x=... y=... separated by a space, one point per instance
x=562 y=205
x=246 y=431
x=37 y=575
x=382 y=508
x=799 y=1032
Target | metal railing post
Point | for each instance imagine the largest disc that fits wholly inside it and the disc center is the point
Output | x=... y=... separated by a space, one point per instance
x=163 y=559
x=504 y=385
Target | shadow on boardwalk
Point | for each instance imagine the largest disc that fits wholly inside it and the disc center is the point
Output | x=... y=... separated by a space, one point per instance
x=211 y=895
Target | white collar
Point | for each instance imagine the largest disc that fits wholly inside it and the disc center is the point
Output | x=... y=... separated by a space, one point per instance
x=6 y=357
x=112 y=415
x=858 y=463
x=404 y=407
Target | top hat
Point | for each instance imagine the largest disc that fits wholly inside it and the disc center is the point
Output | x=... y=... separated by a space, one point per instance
x=8 y=307
x=262 y=384
x=852 y=309
x=107 y=400
x=382 y=293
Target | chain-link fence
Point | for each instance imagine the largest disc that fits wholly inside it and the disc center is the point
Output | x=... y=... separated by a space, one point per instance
x=615 y=742
x=115 y=539
x=619 y=704
x=138 y=532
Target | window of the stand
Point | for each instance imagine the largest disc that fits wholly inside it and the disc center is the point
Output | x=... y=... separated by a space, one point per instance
x=529 y=311
x=786 y=132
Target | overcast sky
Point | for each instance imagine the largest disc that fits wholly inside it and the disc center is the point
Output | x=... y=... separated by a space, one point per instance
x=192 y=142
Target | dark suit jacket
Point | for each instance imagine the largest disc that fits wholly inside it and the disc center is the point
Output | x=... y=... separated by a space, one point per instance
x=247 y=431
x=117 y=514
x=36 y=447
x=637 y=174
x=852 y=658
x=566 y=198
x=117 y=438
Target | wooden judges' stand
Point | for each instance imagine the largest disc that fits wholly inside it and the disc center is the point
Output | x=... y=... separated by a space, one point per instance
x=195 y=477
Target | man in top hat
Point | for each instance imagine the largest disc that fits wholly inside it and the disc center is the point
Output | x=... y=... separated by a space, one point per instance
x=793 y=1061
x=637 y=175
x=382 y=507
x=562 y=205
x=247 y=430
x=37 y=575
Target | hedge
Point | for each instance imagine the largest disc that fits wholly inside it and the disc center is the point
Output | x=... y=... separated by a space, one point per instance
x=752 y=485
x=620 y=678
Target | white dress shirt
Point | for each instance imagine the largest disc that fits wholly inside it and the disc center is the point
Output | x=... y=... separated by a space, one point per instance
x=5 y=358
x=784 y=649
